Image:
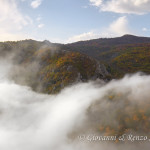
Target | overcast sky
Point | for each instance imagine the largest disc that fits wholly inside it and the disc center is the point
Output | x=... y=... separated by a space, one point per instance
x=67 y=21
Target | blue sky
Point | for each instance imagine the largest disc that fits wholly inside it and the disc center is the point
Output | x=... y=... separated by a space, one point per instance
x=68 y=21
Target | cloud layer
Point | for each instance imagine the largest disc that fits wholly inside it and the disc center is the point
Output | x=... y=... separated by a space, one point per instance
x=12 y=21
x=123 y=6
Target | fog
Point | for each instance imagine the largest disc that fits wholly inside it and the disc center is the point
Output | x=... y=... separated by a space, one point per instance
x=34 y=121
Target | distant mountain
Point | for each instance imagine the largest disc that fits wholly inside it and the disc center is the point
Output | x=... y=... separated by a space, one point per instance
x=96 y=46
x=123 y=40
x=121 y=55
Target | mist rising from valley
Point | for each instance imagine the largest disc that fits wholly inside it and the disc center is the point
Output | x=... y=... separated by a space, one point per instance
x=35 y=121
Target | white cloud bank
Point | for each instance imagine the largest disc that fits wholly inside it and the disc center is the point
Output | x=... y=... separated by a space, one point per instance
x=118 y=27
x=123 y=6
x=33 y=121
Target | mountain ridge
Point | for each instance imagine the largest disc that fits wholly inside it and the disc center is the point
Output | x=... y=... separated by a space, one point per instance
x=124 y=37
x=49 y=67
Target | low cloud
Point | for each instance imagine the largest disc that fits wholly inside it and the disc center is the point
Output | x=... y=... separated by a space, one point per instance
x=33 y=121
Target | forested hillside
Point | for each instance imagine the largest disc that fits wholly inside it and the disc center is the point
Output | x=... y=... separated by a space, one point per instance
x=49 y=67
x=122 y=55
x=46 y=67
